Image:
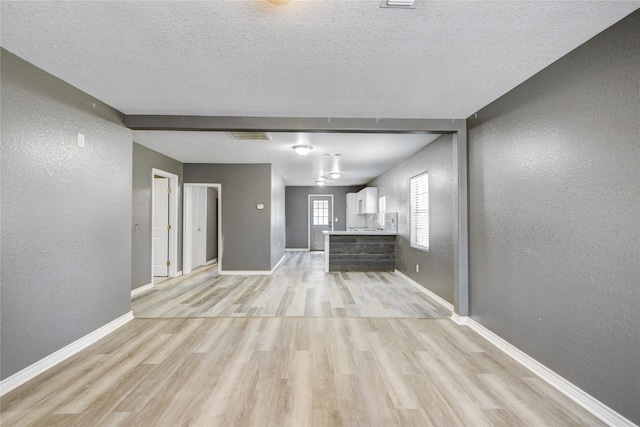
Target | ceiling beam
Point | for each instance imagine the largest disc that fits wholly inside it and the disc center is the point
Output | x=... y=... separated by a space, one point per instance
x=292 y=124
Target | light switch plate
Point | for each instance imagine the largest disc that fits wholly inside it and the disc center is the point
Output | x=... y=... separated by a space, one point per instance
x=259 y=206
x=81 y=140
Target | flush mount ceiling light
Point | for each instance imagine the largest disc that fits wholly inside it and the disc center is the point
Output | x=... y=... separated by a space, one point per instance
x=320 y=182
x=334 y=175
x=400 y=4
x=302 y=150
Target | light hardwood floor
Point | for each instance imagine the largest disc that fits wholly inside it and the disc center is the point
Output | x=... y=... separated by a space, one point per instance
x=290 y=372
x=274 y=370
x=299 y=287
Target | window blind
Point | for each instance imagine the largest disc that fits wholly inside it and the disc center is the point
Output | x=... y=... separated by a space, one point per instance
x=419 y=186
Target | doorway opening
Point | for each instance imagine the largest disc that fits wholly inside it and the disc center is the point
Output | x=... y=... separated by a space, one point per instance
x=202 y=241
x=320 y=218
x=165 y=194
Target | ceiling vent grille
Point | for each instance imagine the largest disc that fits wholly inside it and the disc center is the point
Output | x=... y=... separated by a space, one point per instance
x=399 y=4
x=249 y=136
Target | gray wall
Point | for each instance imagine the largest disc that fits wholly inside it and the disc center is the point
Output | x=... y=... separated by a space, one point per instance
x=297 y=208
x=436 y=266
x=246 y=231
x=212 y=224
x=554 y=217
x=144 y=160
x=277 y=216
x=66 y=215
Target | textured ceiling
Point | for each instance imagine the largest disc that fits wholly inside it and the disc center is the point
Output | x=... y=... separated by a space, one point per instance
x=443 y=59
x=307 y=58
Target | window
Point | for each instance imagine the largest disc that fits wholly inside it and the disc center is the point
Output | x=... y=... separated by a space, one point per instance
x=320 y=212
x=420 y=211
x=382 y=208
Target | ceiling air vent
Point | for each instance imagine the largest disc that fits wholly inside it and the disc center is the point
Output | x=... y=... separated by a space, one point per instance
x=399 y=4
x=250 y=136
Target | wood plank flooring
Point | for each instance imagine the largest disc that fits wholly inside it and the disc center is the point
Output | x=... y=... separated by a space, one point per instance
x=274 y=371
x=298 y=288
x=299 y=348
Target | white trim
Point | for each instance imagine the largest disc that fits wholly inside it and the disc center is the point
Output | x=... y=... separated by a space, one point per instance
x=211 y=261
x=460 y=320
x=275 y=267
x=296 y=249
x=252 y=272
x=141 y=289
x=588 y=402
x=174 y=199
x=64 y=353
x=446 y=304
x=245 y=273
x=179 y=273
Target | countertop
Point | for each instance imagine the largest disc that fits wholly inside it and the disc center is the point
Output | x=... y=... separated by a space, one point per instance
x=361 y=233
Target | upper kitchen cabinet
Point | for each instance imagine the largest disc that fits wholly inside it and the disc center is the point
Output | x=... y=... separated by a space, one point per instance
x=367 y=200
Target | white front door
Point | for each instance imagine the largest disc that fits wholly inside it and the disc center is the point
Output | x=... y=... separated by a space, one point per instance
x=320 y=219
x=160 y=227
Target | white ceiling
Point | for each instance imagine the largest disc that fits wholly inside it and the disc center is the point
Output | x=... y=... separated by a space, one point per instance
x=361 y=156
x=307 y=58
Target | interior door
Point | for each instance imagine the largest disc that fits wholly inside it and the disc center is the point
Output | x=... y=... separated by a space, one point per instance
x=320 y=219
x=199 y=226
x=160 y=227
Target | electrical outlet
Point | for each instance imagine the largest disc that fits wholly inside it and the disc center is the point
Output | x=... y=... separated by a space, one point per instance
x=417 y=268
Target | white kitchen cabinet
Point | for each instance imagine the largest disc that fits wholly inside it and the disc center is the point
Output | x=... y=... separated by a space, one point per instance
x=353 y=219
x=367 y=200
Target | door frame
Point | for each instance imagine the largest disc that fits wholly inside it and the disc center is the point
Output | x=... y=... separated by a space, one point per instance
x=186 y=227
x=174 y=202
x=331 y=222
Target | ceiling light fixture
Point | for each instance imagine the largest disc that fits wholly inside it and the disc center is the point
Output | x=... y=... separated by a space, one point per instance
x=320 y=182
x=302 y=150
x=335 y=175
x=402 y=4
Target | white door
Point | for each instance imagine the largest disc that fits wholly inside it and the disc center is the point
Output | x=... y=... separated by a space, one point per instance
x=160 y=227
x=320 y=219
x=199 y=226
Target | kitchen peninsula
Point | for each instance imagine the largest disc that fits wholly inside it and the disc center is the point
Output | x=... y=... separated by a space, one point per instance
x=359 y=250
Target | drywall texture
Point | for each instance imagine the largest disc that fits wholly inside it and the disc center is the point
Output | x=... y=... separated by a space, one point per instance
x=144 y=160
x=246 y=231
x=277 y=216
x=212 y=224
x=436 y=265
x=66 y=214
x=554 y=208
x=297 y=211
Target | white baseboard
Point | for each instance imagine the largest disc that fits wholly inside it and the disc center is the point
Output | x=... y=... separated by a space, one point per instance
x=251 y=272
x=588 y=402
x=275 y=267
x=212 y=261
x=244 y=272
x=460 y=320
x=64 y=353
x=137 y=291
x=446 y=304
x=296 y=250
x=178 y=273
